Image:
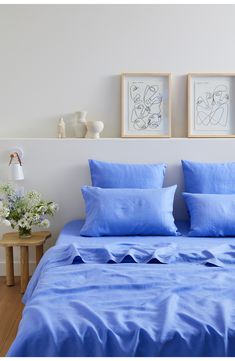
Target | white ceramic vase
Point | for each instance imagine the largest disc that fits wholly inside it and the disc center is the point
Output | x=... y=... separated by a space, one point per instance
x=80 y=124
x=94 y=128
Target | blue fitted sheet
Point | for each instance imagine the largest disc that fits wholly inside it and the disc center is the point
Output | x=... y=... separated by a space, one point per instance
x=70 y=234
x=131 y=296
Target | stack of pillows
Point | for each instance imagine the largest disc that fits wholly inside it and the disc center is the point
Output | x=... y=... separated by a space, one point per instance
x=210 y=198
x=128 y=199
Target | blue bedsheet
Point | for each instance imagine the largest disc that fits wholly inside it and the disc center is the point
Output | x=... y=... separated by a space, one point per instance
x=131 y=296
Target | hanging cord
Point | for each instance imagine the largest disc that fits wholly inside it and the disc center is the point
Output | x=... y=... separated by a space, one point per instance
x=15 y=155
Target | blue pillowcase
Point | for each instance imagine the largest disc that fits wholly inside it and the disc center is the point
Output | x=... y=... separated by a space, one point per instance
x=209 y=178
x=121 y=175
x=123 y=212
x=211 y=215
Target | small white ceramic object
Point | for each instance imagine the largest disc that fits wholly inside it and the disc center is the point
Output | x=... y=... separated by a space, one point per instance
x=61 y=128
x=94 y=128
x=80 y=124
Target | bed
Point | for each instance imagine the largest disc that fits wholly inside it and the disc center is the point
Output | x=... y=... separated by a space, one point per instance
x=131 y=296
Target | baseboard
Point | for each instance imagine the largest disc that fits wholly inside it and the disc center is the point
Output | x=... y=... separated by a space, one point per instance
x=16 y=268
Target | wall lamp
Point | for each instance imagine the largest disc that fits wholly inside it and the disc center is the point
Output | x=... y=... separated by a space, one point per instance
x=15 y=165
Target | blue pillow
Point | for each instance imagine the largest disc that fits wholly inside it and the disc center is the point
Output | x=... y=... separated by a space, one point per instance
x=209 y=177
x=123 y=212
x=121 y=175
x=211 y=215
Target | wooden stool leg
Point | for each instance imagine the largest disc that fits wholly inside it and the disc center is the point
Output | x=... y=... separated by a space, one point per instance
x=9 y=267
x=24 y=267
x=39 y=253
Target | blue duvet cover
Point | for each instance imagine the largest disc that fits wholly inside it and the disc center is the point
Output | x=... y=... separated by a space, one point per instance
x=130 y=296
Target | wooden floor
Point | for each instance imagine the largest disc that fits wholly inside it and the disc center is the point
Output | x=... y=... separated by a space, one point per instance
x=10 y=313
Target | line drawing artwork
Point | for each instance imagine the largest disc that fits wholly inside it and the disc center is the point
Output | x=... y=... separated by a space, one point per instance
x=145 y=105
x=212 y=107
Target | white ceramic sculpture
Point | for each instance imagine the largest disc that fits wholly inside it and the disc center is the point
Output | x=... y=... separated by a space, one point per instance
x=80 y=124
x=61 y=128
x=94 y=128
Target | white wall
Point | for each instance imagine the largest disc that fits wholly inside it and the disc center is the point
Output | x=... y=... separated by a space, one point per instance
x=59 y=168
x=56 y=59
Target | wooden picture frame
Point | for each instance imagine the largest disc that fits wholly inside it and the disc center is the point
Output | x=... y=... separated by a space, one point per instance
x=211 y=105
x=146 y=105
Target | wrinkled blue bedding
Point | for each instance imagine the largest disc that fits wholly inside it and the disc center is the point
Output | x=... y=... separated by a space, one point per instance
x=131 y=296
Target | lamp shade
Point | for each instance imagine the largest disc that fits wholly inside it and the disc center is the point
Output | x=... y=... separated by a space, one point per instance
x=16 y=172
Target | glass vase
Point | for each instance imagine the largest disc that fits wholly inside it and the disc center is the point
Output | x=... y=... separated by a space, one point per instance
x=25 y=232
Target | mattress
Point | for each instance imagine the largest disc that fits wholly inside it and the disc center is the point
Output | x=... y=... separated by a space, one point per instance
x=130 y=296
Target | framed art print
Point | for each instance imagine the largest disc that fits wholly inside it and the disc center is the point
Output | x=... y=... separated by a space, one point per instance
x=211 y=105
x=146 y=104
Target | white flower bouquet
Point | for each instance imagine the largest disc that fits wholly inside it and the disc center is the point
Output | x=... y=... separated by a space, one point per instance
x=22 y=211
